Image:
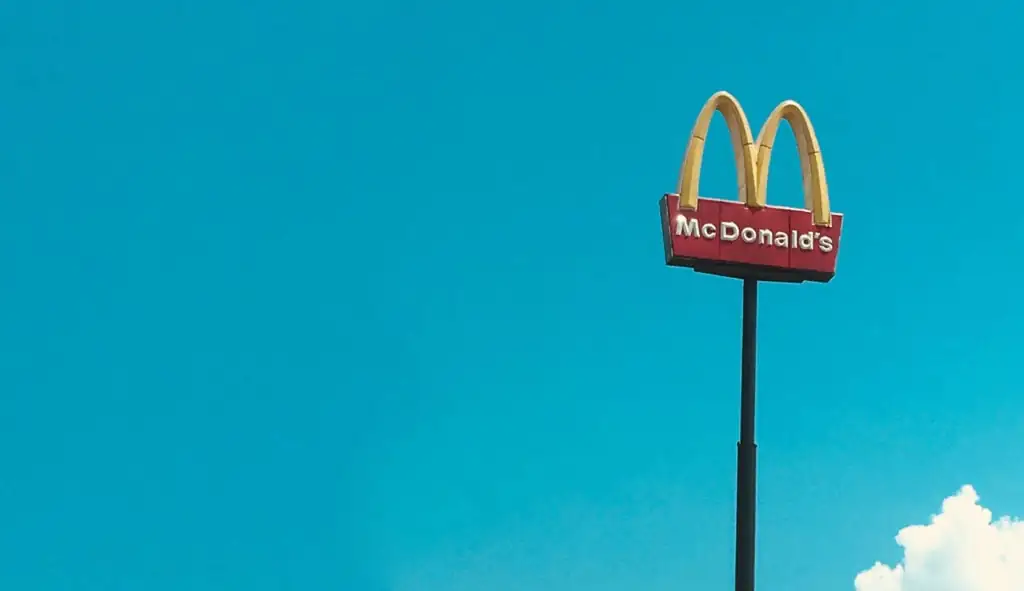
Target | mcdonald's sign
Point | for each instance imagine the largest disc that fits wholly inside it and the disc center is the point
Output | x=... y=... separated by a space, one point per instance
x=749 y=238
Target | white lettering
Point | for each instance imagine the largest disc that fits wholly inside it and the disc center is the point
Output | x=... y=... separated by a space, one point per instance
x=730 y=231
x=689 y=227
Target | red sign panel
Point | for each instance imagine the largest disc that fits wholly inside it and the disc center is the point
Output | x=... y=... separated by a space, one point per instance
x=768 y=243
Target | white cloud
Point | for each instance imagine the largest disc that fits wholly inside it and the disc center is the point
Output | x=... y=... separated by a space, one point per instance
x=962 y=549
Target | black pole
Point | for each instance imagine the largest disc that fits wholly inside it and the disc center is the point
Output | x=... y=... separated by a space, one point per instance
x=746 y=464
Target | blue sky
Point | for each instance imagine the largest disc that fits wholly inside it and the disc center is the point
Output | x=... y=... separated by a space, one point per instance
x=370 y=296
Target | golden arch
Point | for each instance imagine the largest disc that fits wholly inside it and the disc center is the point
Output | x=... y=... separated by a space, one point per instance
x=811 y=165
x=754 y=158
x=742 y=145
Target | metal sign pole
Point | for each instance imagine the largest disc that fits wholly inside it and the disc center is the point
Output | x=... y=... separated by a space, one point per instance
x=746 y=468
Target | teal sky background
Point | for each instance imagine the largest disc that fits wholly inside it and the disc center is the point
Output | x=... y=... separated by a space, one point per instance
x=370 y=295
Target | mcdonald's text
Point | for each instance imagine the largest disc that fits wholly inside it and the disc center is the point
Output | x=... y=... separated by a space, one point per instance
x=768 y=243
x=691 y=228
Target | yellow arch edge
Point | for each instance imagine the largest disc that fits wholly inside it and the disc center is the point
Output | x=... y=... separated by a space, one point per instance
x=743 y=148
x=811 y=164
